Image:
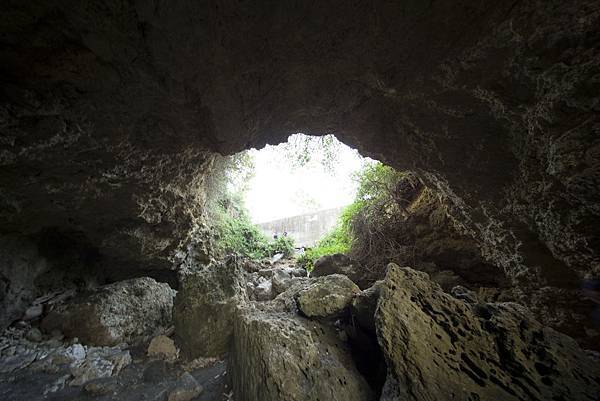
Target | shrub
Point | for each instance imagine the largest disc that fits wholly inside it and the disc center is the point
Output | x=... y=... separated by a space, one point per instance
x=284 y=245
x=368 y=229
x=236 y=234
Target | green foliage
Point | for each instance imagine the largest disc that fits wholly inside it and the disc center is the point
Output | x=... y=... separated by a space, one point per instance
x=378 y=205
x=235 y=232
x=283 y=245
x=338 y=240
x=302 y=150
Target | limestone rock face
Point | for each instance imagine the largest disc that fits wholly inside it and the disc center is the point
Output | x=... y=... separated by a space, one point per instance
x=438 y=347
x=326 y=296
x=205 y=307
x=121 y=312
x=283 y=357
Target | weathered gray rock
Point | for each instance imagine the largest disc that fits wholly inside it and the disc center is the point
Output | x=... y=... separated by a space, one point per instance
x=280 y=281
x=327 y=296
x=205 y=308
x=463 y=293
x=338 y=263
x=295 y=272
x=280 y=356
x=263 y=291
x=99 y=363
x=440 y=348
x=125 y=311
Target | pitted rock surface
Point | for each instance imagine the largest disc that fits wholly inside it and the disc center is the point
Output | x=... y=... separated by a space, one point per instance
x=283 y=357
x=205 y=308
x=438 y=347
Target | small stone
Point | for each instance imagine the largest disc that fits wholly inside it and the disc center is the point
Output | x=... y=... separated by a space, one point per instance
x=263 y=291
x=163 y=347
x=186 y=389
x=90 y=369
x=33 y=312
x=281 y=281
x=34 y=335
x=73 y=353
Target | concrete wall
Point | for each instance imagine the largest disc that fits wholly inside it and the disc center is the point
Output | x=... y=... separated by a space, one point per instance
x=306 y=229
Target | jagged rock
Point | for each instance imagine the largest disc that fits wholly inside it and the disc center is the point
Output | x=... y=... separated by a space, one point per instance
x=205 y=307
x=70 y=355
x=327 y=296
x=121 y=312
x=280 y=281
x=251 y=266
x=460 y=292
x=186 y=389
x=364 y=305
x=438 y=348
x=99 y=363
x=283 y=357
x=163 y=347
x=295 y=272
x=11 y=363
x=338 y=263
x=266 y=273
x=263 y=291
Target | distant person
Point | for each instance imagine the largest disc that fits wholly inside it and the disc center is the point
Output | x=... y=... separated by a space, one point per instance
x=275 y=236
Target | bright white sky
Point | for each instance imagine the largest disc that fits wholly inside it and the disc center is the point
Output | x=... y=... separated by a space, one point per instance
x=279 y=190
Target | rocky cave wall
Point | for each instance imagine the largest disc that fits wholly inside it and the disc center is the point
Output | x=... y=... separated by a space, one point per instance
x=109 y=112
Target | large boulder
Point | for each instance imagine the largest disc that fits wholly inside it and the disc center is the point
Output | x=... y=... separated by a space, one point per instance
x=338 y=263
x=125 y=311
x=327 y=296
x=205 y=308
x=440 y=348
x=281 y=356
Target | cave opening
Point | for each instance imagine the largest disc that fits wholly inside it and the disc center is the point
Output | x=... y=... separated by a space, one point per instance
x=476 y=273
